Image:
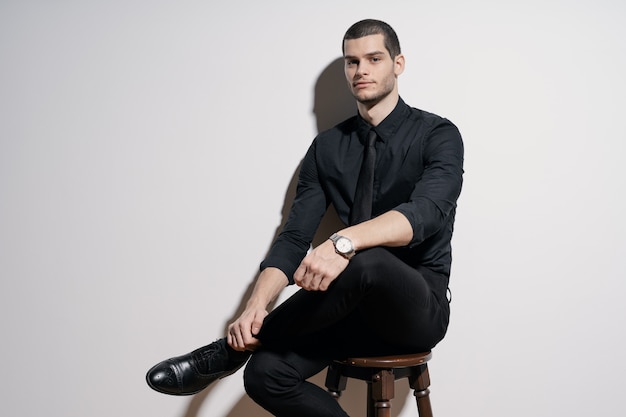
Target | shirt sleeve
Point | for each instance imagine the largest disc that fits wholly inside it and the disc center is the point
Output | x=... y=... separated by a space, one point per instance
x=305 y=215
x=434 y=196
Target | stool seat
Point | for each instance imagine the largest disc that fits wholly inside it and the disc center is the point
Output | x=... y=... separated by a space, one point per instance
x=398 y=361
x=380 y=374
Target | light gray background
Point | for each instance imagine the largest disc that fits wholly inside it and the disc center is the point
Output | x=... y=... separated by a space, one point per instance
x=147 y=149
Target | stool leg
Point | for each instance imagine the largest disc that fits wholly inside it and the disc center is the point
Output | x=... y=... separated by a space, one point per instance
x=380 y=393
x=335 y=382
x=420 y=381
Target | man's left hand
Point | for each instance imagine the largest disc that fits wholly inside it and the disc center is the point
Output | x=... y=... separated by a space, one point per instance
x=320 y=268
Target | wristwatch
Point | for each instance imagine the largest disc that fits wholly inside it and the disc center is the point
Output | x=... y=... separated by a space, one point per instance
x=343 y=246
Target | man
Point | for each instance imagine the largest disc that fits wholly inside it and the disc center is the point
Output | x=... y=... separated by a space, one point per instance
x=376 y=287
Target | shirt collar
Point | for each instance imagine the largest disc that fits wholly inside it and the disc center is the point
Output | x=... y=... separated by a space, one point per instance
x=388 y=127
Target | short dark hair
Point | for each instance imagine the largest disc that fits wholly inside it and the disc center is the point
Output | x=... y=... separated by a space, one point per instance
x=374 y=27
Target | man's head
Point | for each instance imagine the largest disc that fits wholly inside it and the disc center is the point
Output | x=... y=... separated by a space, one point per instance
x=373 y=62
x=373 y=27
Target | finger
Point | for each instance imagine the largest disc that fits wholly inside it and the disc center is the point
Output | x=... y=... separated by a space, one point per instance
x=298 y=276
x=238 y=337
x=255 y=343
x=232 y=340
x=230 y=336
x=314 y=282
x=305 y=280
x=256 y=327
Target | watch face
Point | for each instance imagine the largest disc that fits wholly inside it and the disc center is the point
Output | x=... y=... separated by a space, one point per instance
x=343 y=245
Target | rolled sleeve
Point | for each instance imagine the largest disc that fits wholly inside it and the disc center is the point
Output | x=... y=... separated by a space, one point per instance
x=434 y=196
x=305 y=215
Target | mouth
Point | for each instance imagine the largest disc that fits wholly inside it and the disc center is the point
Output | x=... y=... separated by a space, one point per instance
x=362 y=84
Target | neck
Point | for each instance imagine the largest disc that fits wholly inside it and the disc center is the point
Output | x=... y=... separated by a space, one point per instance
x=374 y=113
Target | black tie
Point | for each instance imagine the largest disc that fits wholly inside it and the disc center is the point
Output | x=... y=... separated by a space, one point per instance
x=362 y=208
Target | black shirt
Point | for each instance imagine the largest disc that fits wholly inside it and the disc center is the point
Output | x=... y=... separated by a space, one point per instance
x=419 y=169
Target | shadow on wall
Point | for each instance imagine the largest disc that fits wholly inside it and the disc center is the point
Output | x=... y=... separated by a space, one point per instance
x=333 y=103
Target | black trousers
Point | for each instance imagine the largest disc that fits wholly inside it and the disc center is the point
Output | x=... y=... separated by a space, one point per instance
x=377 y=306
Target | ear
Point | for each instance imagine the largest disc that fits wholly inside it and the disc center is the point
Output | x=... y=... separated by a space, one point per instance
x=398 y=64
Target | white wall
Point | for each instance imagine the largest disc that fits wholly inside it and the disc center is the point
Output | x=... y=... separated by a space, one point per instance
x=140 y=141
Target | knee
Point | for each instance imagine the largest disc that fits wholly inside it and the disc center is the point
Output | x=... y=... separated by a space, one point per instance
x=366 y=269
x=266 y=376
x=371 y=259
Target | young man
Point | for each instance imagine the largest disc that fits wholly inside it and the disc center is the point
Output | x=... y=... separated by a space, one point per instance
x=376 y=287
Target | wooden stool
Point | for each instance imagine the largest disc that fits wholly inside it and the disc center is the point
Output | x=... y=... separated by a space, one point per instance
x=380 y=373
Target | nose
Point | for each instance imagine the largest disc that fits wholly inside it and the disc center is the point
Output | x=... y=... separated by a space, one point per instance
x=361 y=70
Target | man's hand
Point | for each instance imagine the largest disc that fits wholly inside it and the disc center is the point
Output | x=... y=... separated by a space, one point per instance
x=320 y=268
x=242 y=332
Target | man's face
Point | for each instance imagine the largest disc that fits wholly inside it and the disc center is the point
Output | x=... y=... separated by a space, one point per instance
x=370 y=70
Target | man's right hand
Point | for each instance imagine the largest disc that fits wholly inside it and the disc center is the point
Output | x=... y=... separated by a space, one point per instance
x=242 y=332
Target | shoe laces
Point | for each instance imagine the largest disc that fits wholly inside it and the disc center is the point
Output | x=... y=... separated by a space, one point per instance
x=205 y=355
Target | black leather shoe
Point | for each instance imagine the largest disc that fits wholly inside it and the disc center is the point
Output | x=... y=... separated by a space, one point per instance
x=191 y=373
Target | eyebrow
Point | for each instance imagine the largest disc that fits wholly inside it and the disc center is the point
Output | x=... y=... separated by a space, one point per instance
x=369 y=54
